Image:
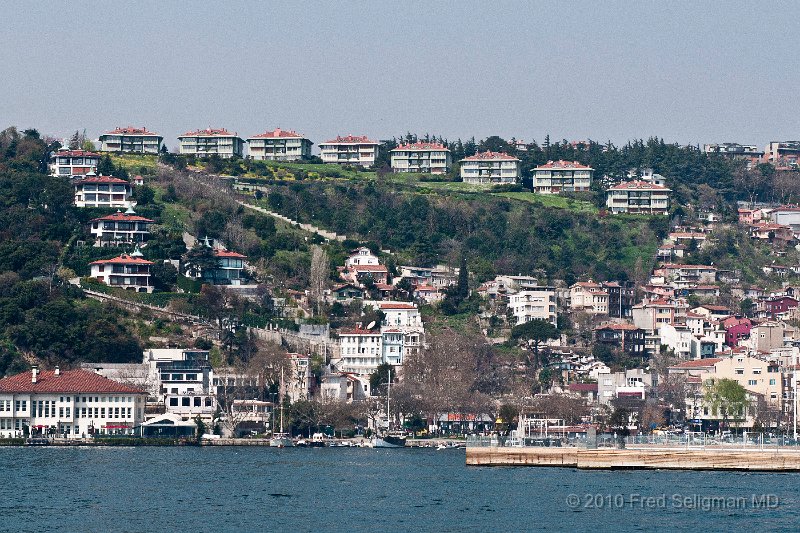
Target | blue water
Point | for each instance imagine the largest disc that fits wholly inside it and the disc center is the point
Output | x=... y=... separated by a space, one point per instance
x=350 y=489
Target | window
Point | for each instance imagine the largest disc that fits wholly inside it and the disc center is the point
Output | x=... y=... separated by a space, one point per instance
x=772 y=381
x=752 y=382
x=173 y=402
x=739 y=371
x=756 y=371
x=185 y=401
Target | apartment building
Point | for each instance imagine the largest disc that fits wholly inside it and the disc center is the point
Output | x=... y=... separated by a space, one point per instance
x=120 y=228
x=431 y=158
x=588 y=297
x=350 y=150
x=750 y=154
x=103 y=191
x=534 y=303
x=130 y=272
x=211 y=141
x=639 y=197
x=783 y=155
x=278 y=145
x=361 y=351
x=73 y=163
x=635 y=383
x=625 y=337
x=131 y=140
x=490 y=168
x=555 y=177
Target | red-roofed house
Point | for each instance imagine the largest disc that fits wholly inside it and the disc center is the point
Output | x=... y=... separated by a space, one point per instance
x=120 y=228
x=555 y=177
x=69 y=404
x=350 y=150
x=278 y=145
x=129 y=272
x=73 y=163
x=588 y=297
x=103 y=191
x=421 y=157
x=211 y=141
x=490 y=168
x=131 y=140
x=638 y=197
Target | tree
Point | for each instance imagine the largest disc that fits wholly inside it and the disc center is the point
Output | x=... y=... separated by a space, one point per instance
x=320 y=270
x=726 y=397
x=619 y=421
x=534 y=333
x=202 y=261
x=381 y=376
x=509 y=417
x=651 y=417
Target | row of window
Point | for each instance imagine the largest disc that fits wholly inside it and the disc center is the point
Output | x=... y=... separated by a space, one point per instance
x=191 y=402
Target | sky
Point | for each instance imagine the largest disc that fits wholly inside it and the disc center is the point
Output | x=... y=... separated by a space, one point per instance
x=689 y=72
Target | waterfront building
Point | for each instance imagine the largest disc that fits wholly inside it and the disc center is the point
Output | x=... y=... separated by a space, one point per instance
x=421 y=157
x=278 y=145
x=210 y=141
x=73 y=163
x=120 y=228
x=129 y=272
x=492 y=168
x=103 y=191
x=349 y=150
x=131 y=140
x=555 y=177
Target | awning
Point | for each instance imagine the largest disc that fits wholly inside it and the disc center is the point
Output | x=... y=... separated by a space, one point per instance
x=117 y=426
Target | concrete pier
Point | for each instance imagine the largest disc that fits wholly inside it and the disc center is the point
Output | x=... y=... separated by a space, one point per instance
x=770 y=460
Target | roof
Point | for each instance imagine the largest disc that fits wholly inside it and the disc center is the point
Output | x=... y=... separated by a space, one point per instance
x=123 y=217
x=583 y=387
x=721 y=308
x=123 y=259
x=102 y=179
x=226 y=253
x=369 y=268
x=277 y=133
x=351 y=139
x=70 y=381
x=496 y=156
x=75 y=153
x=358 y=331
x=637 y=185
x=421 y=146
x=131 y=130
x=619 y=327
x=698 y=363
x=396 y=305
x=563 y=165
x=673 y=266
x=209 y=132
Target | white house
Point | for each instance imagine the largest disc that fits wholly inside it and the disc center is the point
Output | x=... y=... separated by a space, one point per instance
x=131 y=140
x=361 y=351
x=70 y=404
x=490 y=168
x=421 y=157
x=210 y=141
x=638 y=197
x=278 y=145
x=120 y=228
x=73 y=163
x=361 y=256
x=103 y=191
x=555 y=177
x=130 y=272
x=349 y=150
x=534 y=303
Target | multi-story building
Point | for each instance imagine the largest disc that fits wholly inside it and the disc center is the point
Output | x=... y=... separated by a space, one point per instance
x=783 y=155
x=638 y=197
x=361 y=256
x=360 y=350
x=626 y=337
x=103 y=191
x=71 y=404
x=131 y=140
x=534 y=303
x=299 y=379
x=621 y=296
x=588 y=297
x=130 y=272
x=181 y=381
x=682 y=275
x=229 y=270
x=349 y=150
x=421 y=157
x=210 y=141
x=278 y=145
x=743 y=152
x=120 y=228
x=634 y=383
x=493 y=168
x=555 y=177
x=73 y=163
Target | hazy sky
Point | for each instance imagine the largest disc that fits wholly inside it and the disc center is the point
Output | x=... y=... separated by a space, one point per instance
x=689 y=72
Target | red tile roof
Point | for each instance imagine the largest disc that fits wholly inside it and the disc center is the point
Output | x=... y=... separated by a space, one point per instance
x=209 y=132
x=358 y=331
x=226 y=253
x=278 y=133
x=497 y=156
x=123 y=259
x=70 y=381
x=351 y=139
x=102 y=179
x=422 y=146
x=638 y=186
x=561 y=164
x=122 y=217
x=131 y=130
x=699 y=363
x=368 y=268
x=395 y=305
x=74 y=153
x=583 y=387
x=619 y=327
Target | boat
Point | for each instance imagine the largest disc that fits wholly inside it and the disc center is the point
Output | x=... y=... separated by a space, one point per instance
x=281 y=439
x=390 y=439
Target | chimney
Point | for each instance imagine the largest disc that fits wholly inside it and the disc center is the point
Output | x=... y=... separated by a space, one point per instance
x=57 y=371
x=34 y=373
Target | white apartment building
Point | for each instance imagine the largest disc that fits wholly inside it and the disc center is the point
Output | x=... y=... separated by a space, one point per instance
x=361 y=351
x=421 y=157
x=349 y=150
x=555 y=177
x=638 y=197
x=130 y=272
x=120 y=228
x=210 y=141
x=131 y=140
x=634 y=383
x=70 y=404
x=404 y=317
x=490 y=168
x=588 y=297
x=103 y=191
x=73 y=163
x=278 y=145
x=534 y=303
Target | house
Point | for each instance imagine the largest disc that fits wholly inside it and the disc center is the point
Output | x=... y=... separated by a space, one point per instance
x=749 y=217
x=775 y=233
x=346 y=292
x=494 y=168
x=350 y=150
x=120 y=228
x=689 y=238
x=677 y=338
x=588 y=297
x=588 y=391
x=428 y=293
x=182 y=381
x=278 y=145
x=129 y=272
x=421 y=157
x=775 y=307
x=638 y=197
x=711 y=312
x=131 y=140
x=555 y=177
x=651 y=315
x=625 y=337
x=69 y=404
x=534 y=303
x=405 y=317
x=103 y=191
x=359 y=274
x=361 y=351
x=230 y=268
x=621 y=296
x=210 y=141
x=344 y=387
x=682 y=275
x=73 y=163
x=736 y=329
x=669 y=252
x=783 y=155
x=769 y=335
x=750 y=154
x=361 y=256
x=633 y=383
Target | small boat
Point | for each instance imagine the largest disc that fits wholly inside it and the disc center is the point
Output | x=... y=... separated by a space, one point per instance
x=441 y=447
x=390 y=440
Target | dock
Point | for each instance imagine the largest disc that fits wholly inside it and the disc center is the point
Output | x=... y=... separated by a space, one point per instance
x=766 y=460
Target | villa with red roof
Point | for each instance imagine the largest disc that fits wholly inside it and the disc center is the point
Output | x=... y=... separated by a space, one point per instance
x=349 y=150
x=103 y=191
x=131 y=140
x=73 y=163
x=211 y=141
x=120 y=228
x=67 y=404
x=555 y=177
x=421 y=157
x=129 y=272
x=278 y=145
x=493 y=168
x=641 y=197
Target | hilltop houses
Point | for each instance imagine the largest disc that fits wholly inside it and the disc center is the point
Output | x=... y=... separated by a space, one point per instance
x=750 y=154
x=129 y=272
x=783 y=155
x=350 y=150
x=278 y=145
x=433 y=158
x=120 y=228
x=103 y=191
x=494 y=168
x=73 y=163
x=131 y=140
x=555 y=177
x=203 y=143
x=640 y=197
